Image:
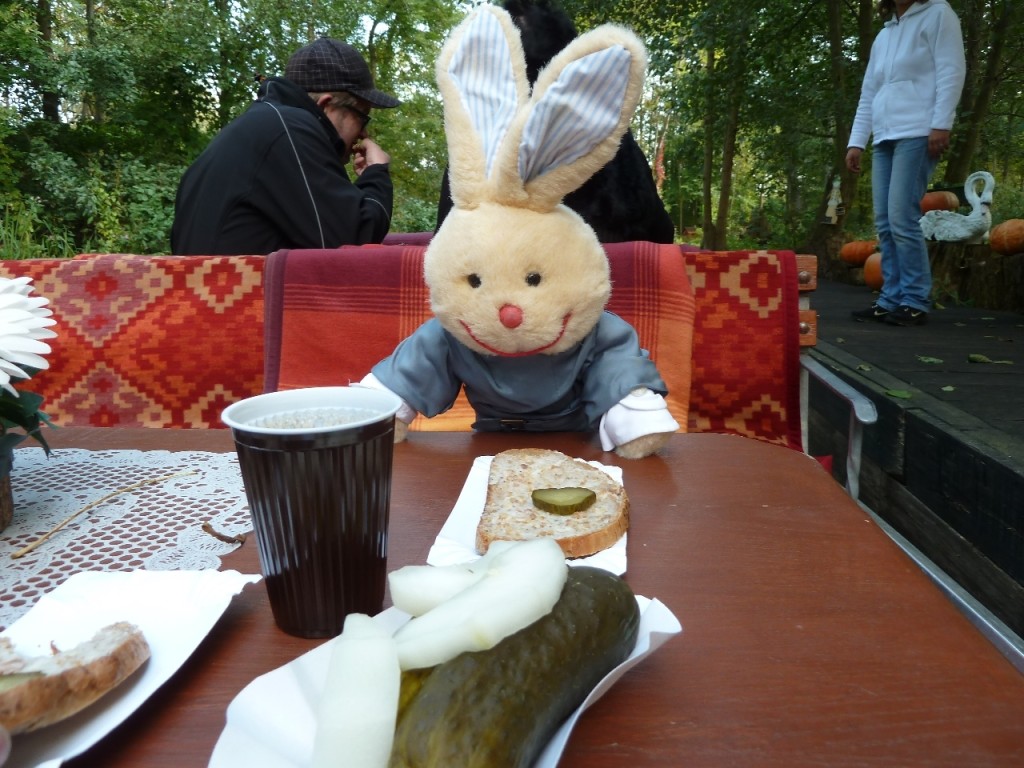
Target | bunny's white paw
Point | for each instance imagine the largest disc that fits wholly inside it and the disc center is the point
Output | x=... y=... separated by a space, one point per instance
x=406 y=413
x=643 y=446
x=638 y=425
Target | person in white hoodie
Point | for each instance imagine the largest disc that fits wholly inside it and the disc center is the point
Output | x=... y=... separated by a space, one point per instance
x=908 y=102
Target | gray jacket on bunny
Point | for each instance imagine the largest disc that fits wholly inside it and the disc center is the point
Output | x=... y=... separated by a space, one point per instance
x=567 y=392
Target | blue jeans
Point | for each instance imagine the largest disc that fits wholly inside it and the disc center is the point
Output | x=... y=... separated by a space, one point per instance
x=900 y=170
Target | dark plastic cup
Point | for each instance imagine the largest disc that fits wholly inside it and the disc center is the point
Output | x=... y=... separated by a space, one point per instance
x=316 y=466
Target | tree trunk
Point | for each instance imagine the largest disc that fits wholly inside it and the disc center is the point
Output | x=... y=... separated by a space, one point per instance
x=92 y=101
x=826 y=238
x=736 y=70
x=725 y=191
x=984 y=63
x=709 y=233
x=223 y=69
x=50 y=98
x=734 y=43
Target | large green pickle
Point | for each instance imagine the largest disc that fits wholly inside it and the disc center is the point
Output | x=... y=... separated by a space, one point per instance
x=500 y=707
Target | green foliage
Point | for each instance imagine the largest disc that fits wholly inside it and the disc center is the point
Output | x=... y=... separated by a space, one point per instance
x=1007 y=200
x=141 y=91
x=25 y=234
x=22 y=412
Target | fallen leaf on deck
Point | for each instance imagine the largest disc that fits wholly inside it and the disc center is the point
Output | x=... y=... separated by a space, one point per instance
x=864 y=367
x=840 y=340
x=948 y=388
x=976 y=358
x=929 y=360
x=902 y=394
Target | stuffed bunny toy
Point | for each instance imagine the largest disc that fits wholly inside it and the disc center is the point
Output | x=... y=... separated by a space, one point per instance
x=518 y=282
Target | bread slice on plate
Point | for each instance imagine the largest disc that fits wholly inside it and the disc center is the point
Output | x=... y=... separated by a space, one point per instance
x=509 y=513
x=42 y=690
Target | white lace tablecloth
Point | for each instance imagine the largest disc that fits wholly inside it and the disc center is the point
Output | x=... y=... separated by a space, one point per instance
x=158 y=526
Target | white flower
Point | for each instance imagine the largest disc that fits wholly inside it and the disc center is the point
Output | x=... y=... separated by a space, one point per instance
x=24 y=322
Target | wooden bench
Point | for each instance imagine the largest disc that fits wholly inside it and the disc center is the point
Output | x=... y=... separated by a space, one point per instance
x=741 y=350
x=166 y=341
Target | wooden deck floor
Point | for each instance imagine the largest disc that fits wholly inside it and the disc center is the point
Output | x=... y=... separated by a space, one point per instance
x=944 y=465
x=935 y=358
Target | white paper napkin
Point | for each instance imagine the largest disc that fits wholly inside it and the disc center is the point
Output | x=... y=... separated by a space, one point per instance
x=456 y=541
x=174 y=609
x=272 y=721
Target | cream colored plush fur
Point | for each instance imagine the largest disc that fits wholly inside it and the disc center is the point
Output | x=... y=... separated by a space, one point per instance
x=503 y=228
x=509 y=245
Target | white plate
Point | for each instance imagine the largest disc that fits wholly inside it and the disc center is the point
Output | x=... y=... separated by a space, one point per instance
x=174 y=609
x=271 y=723
x=456 y=541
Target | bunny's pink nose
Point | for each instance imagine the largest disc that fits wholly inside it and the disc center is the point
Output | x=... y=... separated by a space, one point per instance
x=511 y=316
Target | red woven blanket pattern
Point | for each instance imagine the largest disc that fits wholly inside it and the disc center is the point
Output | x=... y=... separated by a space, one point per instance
x=375 y=296
x=333 y=314
x=652 y=292
x=150 y=341
x=169 y=341
x=746 y=367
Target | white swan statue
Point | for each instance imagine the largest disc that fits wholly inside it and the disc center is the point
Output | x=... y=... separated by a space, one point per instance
x=957 y=227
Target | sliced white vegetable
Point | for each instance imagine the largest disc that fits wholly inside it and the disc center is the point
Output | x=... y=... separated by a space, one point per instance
x=356 y=719
x=416 y=589
x=521 y=584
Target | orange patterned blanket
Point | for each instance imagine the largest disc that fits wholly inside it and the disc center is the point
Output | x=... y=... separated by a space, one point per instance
x=166 y=341
x=740 y=374
x=333 y=314
x=746 y=341
x=150 y=341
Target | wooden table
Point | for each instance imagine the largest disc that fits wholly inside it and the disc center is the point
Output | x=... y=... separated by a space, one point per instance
x=809 y=637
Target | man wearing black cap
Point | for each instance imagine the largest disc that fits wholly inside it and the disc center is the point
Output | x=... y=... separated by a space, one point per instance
x=275 y=176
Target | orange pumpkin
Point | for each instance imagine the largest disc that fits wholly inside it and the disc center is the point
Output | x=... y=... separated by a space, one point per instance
x=939 y=201
x=1007 y=237
x=873 y=271
x=856 y=252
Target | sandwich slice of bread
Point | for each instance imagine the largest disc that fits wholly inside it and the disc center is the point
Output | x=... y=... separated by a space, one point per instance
x=42 y=690
x=510 y=514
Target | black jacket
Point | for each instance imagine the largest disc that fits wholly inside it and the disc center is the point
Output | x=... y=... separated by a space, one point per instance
x=273 y=178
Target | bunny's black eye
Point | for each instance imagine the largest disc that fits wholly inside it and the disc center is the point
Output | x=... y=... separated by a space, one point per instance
x=533 y=279
x=473 y=280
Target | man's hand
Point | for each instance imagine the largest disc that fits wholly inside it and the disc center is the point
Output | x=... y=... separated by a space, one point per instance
x=367 y=152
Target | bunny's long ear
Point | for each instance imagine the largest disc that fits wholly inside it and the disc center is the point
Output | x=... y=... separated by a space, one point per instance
x=581 y=106
x=481 y=73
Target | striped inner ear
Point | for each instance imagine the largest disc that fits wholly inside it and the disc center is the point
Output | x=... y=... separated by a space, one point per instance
x=576 y=113
x=481 y=70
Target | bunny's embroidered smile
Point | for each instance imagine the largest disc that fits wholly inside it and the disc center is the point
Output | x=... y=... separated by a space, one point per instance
x=536 y=351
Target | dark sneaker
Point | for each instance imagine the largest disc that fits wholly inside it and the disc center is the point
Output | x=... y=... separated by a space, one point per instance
x=907 y=316
x=874 y=312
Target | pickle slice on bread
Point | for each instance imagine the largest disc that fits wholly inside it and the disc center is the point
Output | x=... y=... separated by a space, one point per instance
x=563 y=501
x=510 y=514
